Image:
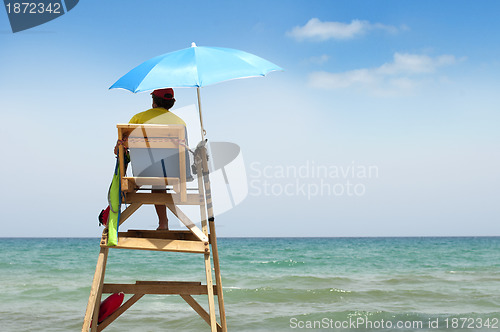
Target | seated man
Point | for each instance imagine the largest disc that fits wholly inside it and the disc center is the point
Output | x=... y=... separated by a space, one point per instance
x=163 y=100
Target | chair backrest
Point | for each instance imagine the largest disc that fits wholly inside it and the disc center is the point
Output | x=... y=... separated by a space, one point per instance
x=158 y=154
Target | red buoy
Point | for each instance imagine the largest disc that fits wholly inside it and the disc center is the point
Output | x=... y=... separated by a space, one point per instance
x=110 y=305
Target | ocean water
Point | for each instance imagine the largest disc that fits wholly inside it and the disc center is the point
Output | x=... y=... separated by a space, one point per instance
x=270 y=284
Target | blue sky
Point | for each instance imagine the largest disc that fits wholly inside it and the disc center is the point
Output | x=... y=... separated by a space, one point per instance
x=407 y=87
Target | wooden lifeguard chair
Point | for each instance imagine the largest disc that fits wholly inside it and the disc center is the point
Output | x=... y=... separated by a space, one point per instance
x=154 y=138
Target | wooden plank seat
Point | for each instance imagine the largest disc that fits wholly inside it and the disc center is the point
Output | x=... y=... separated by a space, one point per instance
x=153 y=143
x=131 y=183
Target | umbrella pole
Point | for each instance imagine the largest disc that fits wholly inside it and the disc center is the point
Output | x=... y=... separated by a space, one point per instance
x=203 y=169
x=203 y=132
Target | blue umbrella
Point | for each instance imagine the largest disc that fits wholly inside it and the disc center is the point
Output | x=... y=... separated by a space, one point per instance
x=194 y=67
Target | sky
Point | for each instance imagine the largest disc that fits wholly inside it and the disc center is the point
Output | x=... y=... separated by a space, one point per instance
x=384 y=121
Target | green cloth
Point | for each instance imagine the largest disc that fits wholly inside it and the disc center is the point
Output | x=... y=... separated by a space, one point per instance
x=115 y=207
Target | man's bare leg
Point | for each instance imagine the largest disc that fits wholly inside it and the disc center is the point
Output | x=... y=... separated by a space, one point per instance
x=161 y=211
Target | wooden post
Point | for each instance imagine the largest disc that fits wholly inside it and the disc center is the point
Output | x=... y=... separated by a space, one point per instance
x=96 y=292
x=218 y=278
x=213 y=239
x=208 y=265
x=121 y=154
x=210 y=289
x=182 y=165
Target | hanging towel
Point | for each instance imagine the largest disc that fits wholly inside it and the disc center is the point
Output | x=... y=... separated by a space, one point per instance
x=115 y=201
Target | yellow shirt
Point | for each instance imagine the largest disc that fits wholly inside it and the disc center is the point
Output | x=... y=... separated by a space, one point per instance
x=157 y=115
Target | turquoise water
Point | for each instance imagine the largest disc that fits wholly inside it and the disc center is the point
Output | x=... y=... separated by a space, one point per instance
x=270 y=284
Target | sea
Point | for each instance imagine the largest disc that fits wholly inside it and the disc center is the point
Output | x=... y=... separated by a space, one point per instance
x=269 y=284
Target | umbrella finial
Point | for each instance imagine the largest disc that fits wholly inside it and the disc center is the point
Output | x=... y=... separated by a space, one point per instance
x=193 y=44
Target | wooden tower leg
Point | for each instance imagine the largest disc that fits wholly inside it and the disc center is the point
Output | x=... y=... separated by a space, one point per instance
x=201 y=171
x=218 y=279
x=210 y=290
x=213 y=238
x=95 y=292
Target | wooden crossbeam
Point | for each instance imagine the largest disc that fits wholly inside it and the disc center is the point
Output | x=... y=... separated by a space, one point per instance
x=162 y=198
x=131 y=183
x=159 y=287
x=129 y=211
x=160 y=234
x=118 y=312
x=188 y=223
x=167 y=283
x=199 y=309
x=161 y=245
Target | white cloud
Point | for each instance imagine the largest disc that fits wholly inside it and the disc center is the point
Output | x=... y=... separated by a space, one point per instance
x=317 y=30
x=324 y=79
x=319 y=60
x=405 y=63
x=402 y=74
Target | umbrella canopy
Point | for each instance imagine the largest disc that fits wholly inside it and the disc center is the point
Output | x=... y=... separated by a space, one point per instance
x=194 y=67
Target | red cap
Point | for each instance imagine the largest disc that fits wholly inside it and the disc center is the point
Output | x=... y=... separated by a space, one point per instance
x=167 y=94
